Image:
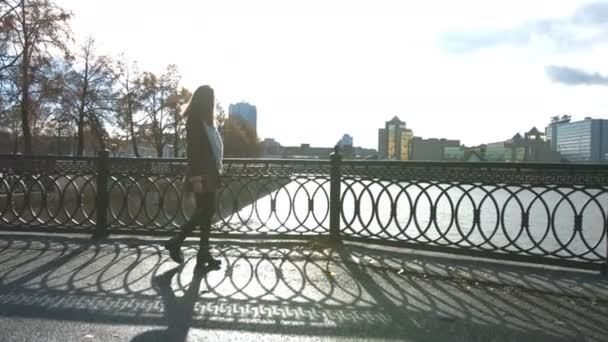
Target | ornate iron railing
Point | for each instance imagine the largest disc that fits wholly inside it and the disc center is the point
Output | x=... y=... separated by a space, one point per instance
x=547 y=213
x=144 y=195
x=512 y=210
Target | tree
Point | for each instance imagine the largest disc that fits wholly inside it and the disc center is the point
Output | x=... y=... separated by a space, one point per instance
x=8 y=56
x=34 y=32
x=9 y=115
x=43 y=96
x=240 y=140
x=62 y=128
x=161 y=99
x=9 y=120
x=155 y=117
x=176 y=104
x=129 y=87
x=220 y=117
x=89 y=93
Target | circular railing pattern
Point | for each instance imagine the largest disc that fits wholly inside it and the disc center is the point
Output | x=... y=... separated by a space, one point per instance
x=559 y=222
x=440 y=206
x=145 y=195
x=47 y=192
x=256 y=197
x=556 y=211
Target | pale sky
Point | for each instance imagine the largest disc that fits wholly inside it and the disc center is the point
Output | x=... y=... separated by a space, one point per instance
x=475 y=70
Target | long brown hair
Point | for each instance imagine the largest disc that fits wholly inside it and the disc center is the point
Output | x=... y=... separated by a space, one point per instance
x=201 y=105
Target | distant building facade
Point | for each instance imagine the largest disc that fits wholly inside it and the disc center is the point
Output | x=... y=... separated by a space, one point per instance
x=584 y=141
x=463 y=154
x=348 y=152
x=246 y=112
x=382 y=144
x=534 y=147
x=531 y=147
x=498 y=152
x=364 y=153
x=431 y=149
x=346 y=144
x=272 y=148
x=346 y=140
x=305 y=151
x=394 y=140
x=454 y=153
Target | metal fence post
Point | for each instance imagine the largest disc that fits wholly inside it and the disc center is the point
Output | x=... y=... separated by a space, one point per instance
x=604 y=271
x=335 y=205
x=102 y=200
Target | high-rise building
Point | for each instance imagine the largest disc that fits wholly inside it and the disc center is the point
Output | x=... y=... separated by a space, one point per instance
x=406 y=140
x=584 y=141
x=382 y=143
x=346 y=140
x=398 y=140
x=245 y=112
x=346 y=143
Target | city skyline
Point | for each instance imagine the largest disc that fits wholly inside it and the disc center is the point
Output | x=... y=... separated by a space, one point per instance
x=447 y=73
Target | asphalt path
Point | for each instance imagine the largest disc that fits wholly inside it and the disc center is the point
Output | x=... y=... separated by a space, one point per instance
x=70 y=288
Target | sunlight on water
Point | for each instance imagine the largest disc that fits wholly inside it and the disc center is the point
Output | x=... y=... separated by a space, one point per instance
x=443 y=214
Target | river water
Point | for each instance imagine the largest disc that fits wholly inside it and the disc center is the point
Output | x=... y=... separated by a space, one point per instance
x=563 y=221
x=566 y=222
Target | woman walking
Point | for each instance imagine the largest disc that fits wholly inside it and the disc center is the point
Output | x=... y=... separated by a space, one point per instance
x=205 y=152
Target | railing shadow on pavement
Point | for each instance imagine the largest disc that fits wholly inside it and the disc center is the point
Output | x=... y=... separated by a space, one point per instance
x=296 y=289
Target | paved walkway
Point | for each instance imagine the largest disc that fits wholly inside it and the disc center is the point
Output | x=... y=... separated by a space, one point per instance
x=56 y=288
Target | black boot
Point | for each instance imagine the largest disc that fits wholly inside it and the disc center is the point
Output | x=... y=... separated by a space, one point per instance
x=163 y=280
x=205 y=258
x=175 y=250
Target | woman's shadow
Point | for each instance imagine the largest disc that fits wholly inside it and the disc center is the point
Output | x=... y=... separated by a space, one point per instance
x=178 y=311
